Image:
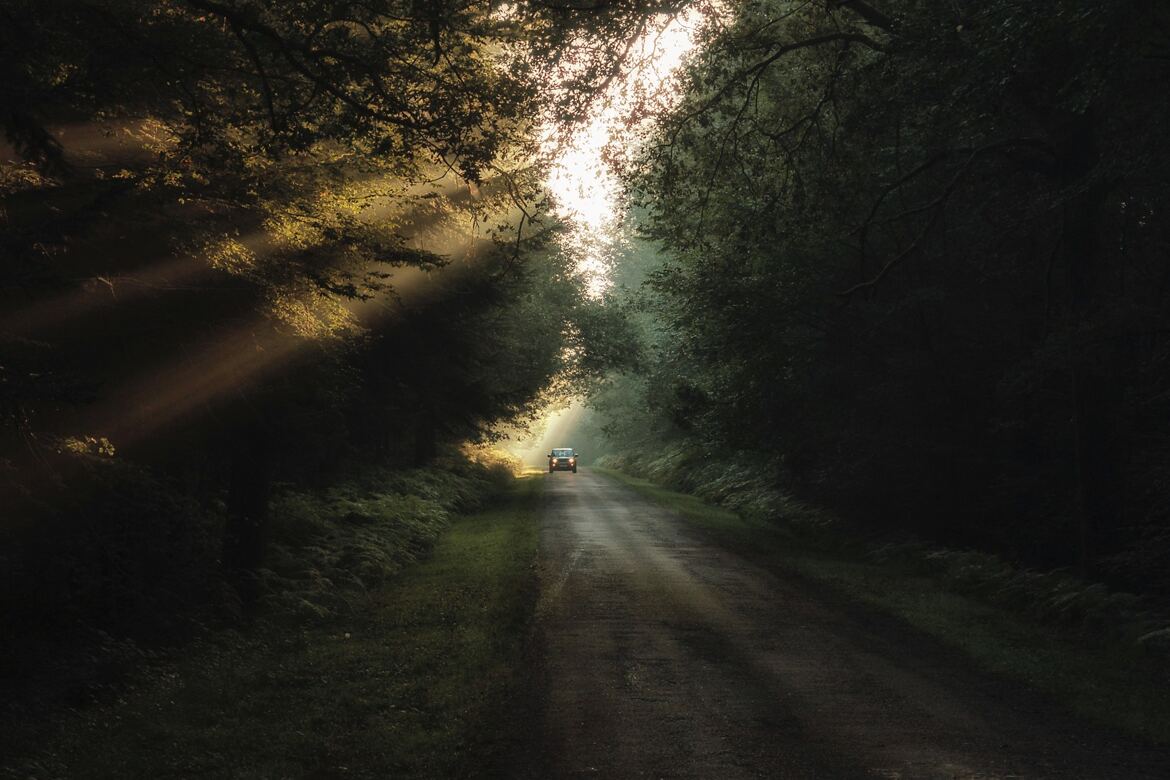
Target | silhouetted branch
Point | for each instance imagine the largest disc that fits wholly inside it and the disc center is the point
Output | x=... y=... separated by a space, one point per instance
x=866 y=11
x=33 y=142
x=936 y=205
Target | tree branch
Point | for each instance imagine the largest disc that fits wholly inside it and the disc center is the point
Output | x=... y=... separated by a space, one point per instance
x=758 y=68
x=937 y=206
x=866 y=11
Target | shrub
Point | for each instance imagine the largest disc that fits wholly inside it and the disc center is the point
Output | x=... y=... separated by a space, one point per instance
x=737 y=482
x=107 y=544
x=1056 y=597
x=329 y=548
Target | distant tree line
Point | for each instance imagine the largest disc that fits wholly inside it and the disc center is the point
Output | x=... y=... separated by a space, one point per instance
x=914 y=263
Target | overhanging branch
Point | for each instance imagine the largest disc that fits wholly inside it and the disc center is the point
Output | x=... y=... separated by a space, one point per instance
x=867 y=12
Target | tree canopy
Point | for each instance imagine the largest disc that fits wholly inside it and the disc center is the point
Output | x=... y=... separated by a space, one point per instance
x=903 y=258
x=250 y=244
x=913 y=260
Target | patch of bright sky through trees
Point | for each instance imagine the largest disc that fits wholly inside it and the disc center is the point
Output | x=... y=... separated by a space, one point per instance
x=587 y=192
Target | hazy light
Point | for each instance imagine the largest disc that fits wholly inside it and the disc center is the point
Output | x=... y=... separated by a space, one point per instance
x=588 y=197
x=96 y=294
x=187 y=383
x=553 y=430
x=587 y=192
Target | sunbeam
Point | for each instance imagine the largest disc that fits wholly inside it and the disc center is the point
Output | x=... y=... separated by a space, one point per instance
x=587 y=192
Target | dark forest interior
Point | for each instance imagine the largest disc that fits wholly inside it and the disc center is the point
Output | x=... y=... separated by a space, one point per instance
x=901 y=267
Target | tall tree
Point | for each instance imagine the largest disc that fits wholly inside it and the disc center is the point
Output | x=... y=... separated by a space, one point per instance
x=905 y=262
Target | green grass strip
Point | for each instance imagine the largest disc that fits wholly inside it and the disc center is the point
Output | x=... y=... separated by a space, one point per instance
x=1113 y=683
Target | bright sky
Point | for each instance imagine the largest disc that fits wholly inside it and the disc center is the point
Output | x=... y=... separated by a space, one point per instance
x=587 y=193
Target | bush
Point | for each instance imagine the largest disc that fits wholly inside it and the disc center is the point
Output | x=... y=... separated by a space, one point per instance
x=737 y=482
x=106 y=544
x=329 y=548
x=101 y=559
x=1056 y=597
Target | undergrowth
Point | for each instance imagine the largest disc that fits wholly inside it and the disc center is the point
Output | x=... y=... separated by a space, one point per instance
x=330 y=548
x=412 y=679
x=118 y=571
x=1052 y=597
x=735 y=482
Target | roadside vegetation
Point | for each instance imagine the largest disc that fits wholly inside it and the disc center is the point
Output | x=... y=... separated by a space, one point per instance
x=266 y=268
x=1101 y=653
x=904 y=261
x=391 y=648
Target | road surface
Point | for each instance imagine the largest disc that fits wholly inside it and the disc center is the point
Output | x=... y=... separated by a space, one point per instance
x=659 y=655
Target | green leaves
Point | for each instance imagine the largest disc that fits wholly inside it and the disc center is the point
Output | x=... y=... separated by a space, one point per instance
x=867 y=246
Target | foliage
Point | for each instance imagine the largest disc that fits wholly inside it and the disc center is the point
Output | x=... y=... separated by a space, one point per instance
x=249 y=243
x=911 y=266
x=1053 y=597
x=333 y=548
x=414 y=682
x=104 y=543
x=115 y=564
x=101 y=560
x=257 y=257
x=738 y=485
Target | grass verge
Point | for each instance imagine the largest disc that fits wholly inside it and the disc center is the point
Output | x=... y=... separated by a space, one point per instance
x=1114 y=683
x=409 y=684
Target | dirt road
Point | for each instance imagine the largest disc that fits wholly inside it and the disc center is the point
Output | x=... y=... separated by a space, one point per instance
x=662 y=656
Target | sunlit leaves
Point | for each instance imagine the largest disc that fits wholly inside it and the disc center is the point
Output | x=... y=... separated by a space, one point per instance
x=87 y=445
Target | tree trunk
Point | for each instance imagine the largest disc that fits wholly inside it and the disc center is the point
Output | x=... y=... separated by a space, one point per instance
x=247 y=512
x=1094 y=388
x=425 y=447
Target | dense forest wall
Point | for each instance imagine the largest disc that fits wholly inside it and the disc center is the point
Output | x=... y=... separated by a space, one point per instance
x=251 y=251
x=914 y=266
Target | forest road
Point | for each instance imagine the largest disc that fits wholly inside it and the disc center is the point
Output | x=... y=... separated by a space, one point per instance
x=659 y=655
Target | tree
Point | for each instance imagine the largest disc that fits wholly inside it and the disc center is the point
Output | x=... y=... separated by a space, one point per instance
x=233 y=229
x=903 y=262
